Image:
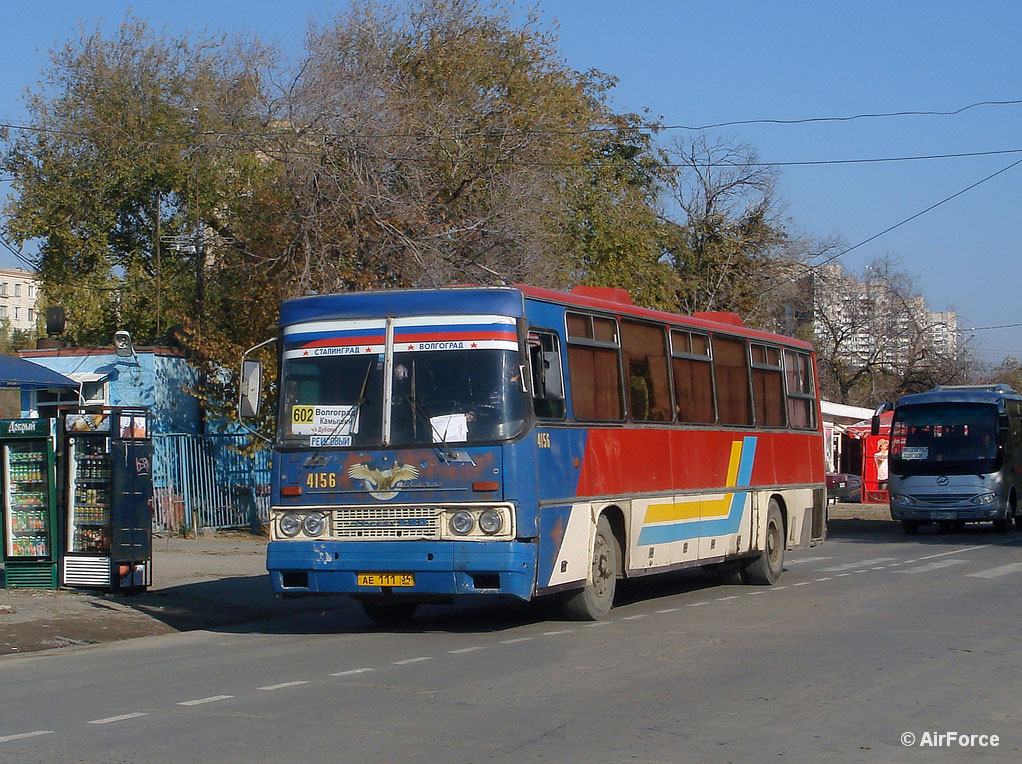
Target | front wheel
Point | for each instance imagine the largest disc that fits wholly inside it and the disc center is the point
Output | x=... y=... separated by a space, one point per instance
x=596 y=599
x=766 y=568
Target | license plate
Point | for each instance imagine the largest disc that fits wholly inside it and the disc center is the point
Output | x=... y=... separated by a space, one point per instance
x=386 y=579
x=943 y=515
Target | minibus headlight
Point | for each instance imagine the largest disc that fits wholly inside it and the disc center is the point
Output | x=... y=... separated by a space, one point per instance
x=461 y=523
x=314 y=524
x=490 y=521
x=289 y=524
x=983 y=498
x=902 y=498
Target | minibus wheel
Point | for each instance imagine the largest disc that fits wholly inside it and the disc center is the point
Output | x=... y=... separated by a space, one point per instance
x=911 y=527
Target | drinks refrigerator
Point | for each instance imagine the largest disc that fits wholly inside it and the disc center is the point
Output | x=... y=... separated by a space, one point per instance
x=30 y=527
x=109 y=499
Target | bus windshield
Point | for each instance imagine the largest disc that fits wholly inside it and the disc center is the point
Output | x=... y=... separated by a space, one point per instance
x=437 y=397
x=944 y=437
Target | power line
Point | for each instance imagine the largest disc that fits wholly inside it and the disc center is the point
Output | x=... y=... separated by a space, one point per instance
x=984 y=328
x=512 y=162
x=910 y=218
x=877 y=115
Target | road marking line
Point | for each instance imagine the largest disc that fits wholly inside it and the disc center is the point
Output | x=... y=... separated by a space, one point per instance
x=349 y=672
x=602 y=623
x=843 y=575
x=555 y=633
x=514 y=641
x=806 y=559
x=282 y=685
x=1003 y=570
x=406 y=661
x=859 y=564
x=724 y=599
x=758 y=591
x=633 y=617
x=200 y=701
x=932 y=566
x=825 y=578
x=466 y=650
x=802 y=583
x=879 y=567
x=860 y=571
x=955 y=551
x=121 y=718
x=909 y=562
x=776 y=588
x=22 y=735
x=697 y=604
x=668 y=610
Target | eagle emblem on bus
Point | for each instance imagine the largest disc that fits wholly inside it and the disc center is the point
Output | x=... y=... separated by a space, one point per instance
x=383 y=484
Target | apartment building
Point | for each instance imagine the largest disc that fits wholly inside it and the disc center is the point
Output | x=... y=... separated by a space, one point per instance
x=19 y=291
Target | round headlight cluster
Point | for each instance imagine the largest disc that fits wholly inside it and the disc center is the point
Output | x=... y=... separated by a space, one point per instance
x=314 y=524
x=490 y=521
x=462 y=522
x=290 y=524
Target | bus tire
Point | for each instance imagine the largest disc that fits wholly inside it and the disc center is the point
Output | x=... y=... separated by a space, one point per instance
x=389 y=613
x=911 y=527
x=596 y=598
x=765 y=568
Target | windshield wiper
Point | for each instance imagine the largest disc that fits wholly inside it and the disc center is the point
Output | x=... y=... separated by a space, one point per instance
x=422 y=411
x=355 y=408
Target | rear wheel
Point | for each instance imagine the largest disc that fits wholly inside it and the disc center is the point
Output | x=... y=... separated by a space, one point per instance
x=390 y=613
x=596 y=599
x=766 y=568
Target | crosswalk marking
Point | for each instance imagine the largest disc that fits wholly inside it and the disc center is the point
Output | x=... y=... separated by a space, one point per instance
x=859 y=564
x=1002 y=570
x=929 y=567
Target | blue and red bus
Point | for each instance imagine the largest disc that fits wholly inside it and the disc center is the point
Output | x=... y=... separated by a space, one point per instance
x=522 y=441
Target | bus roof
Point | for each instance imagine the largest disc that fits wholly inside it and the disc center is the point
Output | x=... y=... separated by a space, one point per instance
x=507 y=301
x=960 y=394
x=608 y=299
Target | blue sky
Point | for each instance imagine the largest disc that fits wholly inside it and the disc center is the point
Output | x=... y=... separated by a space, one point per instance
x=709 y=61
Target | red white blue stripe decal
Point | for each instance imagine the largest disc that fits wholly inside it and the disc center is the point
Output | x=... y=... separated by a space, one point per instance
x=412 y=334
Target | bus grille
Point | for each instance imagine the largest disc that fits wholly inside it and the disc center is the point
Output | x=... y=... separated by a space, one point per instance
x=369 y=523
x=943 y=499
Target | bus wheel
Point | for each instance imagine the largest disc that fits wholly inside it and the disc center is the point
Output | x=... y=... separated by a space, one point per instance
x=911 y=527
x=766 y=568
x=389 y=613
x=595 y=600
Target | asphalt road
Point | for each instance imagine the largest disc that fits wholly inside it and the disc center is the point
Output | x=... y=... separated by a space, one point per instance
x=867 y=640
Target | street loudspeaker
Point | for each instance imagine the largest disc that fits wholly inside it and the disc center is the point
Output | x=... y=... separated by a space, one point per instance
x=55 y=320
x=122 y=344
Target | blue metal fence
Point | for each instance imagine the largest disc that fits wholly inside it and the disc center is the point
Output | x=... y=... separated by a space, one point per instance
x=205 y=481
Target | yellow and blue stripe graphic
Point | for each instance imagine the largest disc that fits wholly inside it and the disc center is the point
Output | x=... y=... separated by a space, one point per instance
x=682 y=520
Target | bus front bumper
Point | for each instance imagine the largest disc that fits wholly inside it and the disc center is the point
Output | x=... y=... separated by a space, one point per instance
x=928 y=514
x=436 y=568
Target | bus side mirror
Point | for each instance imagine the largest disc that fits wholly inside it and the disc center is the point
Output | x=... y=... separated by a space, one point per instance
x=874 y=423
x=251 y=388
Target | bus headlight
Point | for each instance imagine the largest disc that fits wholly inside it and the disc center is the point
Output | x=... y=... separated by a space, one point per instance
x=902 y=498
x=289 y=524
x=461 y=523
x=983 y=498
x=490 y=521
x=314 y=524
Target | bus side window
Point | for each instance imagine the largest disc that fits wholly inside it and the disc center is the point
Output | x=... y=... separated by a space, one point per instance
x=547 y=380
